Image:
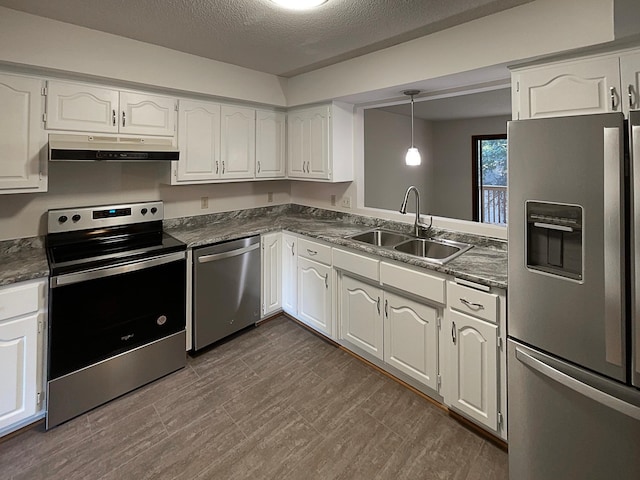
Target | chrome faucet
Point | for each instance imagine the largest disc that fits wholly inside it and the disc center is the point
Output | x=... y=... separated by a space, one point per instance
x=418 y=227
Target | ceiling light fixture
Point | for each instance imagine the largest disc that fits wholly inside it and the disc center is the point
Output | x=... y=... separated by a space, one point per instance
x=299 y=4
x=413 y=155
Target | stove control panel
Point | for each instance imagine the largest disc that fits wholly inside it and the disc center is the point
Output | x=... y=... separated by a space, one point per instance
x=84 y=218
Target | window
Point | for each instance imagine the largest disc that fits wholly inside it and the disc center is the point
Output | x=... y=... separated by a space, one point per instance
x=489 y=158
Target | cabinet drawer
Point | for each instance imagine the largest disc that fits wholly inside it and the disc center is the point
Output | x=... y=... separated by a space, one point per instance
x=473 y=302
x=18 y=300
x=412 y=281
x=314 y=251
x=358 y=264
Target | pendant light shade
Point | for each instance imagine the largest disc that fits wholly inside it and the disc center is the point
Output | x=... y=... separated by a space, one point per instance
x=413 y=155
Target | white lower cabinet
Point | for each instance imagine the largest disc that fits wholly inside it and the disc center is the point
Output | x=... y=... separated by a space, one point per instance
x=271 y=273
x=314 y=295
x=360 y=313
x=411 y=338
x=21 y=346
x=289 y=274
x=473 y=368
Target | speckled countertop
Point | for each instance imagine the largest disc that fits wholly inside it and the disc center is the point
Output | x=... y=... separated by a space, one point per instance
x=23 y=259
x=485 y=263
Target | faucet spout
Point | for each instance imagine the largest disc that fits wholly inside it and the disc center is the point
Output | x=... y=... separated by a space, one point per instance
x=418 y=227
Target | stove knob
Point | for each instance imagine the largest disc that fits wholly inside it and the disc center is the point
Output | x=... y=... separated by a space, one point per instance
x=143 y=211
x=154 y=210
x=62 y=218
x=75 y=218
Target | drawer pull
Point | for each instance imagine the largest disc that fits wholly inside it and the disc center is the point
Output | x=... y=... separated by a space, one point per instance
x=471 y=305
x=311 y=252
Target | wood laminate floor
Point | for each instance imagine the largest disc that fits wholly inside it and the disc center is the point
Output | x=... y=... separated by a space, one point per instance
x=276 y=402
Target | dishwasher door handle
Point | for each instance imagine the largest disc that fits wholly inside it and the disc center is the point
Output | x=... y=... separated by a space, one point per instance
x=232 y=253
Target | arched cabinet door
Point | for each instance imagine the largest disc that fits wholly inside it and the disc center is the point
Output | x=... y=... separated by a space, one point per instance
x=314 y=295
x=361 y=315
x=473 y=361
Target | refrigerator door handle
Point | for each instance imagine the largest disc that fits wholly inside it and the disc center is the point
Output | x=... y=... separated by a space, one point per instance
x=578 y=386
x=613 y=247
x=635 y=245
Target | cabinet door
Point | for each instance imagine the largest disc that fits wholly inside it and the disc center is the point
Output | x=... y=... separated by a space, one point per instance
x=18 y=357
x=573 y=88
x=142 y=114
x=270 y=144
x=238 y=142
x=314 y=295
x=411 y=338
x=360 y=315
x=297 y=155
x=198 y=141
x=271 y=273
x=22 y=139
x=289 y=274
x=318 y=143
x=473 y=374
x=630 y=77
x=83 y=108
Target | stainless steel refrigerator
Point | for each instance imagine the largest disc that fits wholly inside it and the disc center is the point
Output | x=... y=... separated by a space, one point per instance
x=573 y=298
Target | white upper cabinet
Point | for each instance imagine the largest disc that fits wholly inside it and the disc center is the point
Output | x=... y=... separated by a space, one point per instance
x=569 y=88
x=143 y=114
x=87 y=108
x=270 y=144
x=630 y=76
x=198 y=141
x=238 y=142
x=320 y=143
x=22 y=138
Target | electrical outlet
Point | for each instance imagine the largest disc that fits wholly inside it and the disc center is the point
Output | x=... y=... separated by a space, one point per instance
x=333 y=200
x=204 y=202
x=346 y=202
x=270 y=197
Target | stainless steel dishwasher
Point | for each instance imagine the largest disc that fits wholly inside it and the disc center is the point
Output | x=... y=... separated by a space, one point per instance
x=226 y=289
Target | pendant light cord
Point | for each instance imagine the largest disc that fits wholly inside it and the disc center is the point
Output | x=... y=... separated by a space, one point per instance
x=412 y=143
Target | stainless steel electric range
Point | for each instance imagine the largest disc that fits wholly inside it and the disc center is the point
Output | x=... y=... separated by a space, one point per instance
x=117 y=304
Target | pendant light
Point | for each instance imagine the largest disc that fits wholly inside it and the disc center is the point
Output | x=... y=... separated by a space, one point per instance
x=413 y=155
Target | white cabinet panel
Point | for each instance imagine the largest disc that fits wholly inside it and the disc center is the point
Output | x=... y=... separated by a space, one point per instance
x=22 y=140
x=318 y=143
x=314 y=295
x=473 y=387
x=143 y=114
x=289 y=274
x=83 y=108
x=360 y=316
x=411 y=338
x=18 y=357
x=238 y=139
x=270 y=144
x=297 y=158
x=271 y=273
x=198 y=141
x=571 y=88
x=630 y=78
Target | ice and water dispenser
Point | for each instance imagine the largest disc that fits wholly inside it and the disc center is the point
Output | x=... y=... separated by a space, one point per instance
x=554 y=239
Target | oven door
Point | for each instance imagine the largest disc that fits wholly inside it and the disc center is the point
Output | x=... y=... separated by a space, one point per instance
x=100 y=313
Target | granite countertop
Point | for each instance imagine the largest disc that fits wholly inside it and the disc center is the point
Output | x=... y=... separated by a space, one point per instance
x=485 y=263
x=22 y=259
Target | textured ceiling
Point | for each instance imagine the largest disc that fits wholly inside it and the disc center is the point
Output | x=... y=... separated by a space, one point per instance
x=259 y=35
x=484 y=104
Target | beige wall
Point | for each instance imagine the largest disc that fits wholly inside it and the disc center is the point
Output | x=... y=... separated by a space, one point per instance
x=386 y=178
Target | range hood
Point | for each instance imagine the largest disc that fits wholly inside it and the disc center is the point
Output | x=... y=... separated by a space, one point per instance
x=86 y=148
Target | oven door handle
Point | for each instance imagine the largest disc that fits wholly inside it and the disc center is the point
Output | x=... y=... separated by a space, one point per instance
x=102 y=272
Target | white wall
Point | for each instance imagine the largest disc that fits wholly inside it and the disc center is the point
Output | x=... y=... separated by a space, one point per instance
x=537 y=28
x=452 y=165
x=386 y=177
x=43 y=43
x=79 y=184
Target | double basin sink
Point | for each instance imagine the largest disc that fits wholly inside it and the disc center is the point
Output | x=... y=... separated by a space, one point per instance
x=433 y=250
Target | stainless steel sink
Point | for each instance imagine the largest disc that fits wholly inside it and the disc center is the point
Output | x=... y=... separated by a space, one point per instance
x=380 y=237
x=437 y=251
